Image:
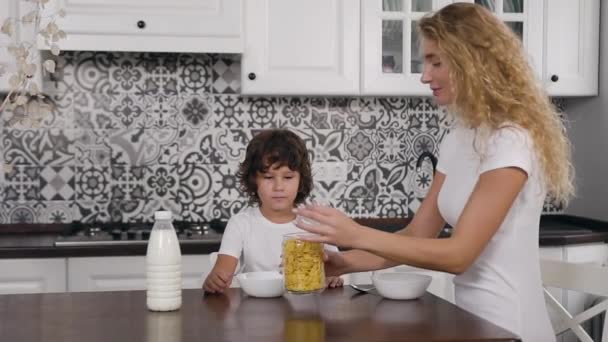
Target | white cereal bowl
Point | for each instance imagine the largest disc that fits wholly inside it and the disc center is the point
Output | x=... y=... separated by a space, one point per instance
x=262 y=284
x=401 y=285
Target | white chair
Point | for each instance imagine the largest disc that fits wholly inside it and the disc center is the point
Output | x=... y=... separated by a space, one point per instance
x=239 y=267
x=585 y=278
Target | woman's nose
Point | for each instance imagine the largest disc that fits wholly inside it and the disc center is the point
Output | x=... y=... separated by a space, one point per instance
x=425 y=77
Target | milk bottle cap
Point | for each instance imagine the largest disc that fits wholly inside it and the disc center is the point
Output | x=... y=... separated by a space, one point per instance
x=162 y=215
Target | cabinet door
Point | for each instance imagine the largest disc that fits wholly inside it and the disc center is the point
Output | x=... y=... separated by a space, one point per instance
x=391 y=59
x=128 y=273
x=572 y=47
x=151 y=25
x=32 y=275
x=296 y=47
x=525 y=18
x=392 y=64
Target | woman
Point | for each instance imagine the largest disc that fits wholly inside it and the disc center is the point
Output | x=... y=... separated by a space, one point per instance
x=506 y=151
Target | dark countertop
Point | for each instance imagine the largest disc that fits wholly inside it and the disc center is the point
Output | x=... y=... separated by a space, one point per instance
x=36 y=241
x=555 y=229
x=561 y=230
x=33 y=245
x=340 y=314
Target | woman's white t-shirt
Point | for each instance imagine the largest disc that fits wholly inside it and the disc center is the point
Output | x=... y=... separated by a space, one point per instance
x=257 y=239
x=503 y=285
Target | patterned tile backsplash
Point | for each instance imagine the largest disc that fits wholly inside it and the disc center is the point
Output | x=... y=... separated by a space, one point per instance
x=132 y=133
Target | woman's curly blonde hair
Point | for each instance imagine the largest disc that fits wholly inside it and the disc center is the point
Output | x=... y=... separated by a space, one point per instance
x=493 y=85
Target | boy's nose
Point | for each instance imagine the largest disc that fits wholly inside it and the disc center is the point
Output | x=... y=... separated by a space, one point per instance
x=278 y=184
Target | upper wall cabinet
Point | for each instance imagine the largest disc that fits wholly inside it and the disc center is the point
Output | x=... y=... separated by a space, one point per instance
x=312 y=47
x=296 y=47
x=562 y=39
x=151 y=25
x=525 y=18
x=392 y=63
x=572 y=35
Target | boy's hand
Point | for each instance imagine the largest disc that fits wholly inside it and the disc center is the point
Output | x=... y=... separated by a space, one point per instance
x=334 y=282
x=335 y=264
x=217 y=282
x=220 y=277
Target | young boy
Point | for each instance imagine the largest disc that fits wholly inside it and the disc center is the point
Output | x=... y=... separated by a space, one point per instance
x=276 y=175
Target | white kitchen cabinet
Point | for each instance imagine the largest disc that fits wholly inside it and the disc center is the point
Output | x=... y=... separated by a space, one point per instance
x=572 y=35
x=32 y=275
x=16 y=9
x=441 y=285
x=151 y=25
x=296 y=47
x=392 y=62
x=573 y=301
x=128 y=273
x=561 y=38
x=526 y=19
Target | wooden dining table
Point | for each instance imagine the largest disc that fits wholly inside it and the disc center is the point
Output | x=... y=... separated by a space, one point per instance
x=341 y=314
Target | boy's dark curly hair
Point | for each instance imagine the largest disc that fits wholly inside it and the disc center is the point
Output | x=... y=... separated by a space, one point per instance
x=268 y=148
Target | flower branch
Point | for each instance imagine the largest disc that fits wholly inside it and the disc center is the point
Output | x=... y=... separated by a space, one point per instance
x=22 y=87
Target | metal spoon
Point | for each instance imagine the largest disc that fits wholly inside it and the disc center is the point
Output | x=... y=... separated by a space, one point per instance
x=363 y=288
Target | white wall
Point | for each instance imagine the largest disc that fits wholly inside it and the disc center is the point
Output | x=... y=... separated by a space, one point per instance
x=589 y=136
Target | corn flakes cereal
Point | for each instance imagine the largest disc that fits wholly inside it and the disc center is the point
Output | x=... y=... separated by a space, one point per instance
x=303 y=266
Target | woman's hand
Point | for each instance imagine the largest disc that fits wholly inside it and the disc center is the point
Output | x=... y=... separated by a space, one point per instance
x=332 y=225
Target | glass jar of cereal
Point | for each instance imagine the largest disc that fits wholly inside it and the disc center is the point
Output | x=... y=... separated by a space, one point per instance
x=303 y=266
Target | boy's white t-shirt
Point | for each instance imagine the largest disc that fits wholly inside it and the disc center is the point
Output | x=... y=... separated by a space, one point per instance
x=504 y=284
x=257 y=239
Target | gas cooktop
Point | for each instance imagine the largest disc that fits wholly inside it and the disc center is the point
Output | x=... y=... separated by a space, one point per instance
x=98 y=234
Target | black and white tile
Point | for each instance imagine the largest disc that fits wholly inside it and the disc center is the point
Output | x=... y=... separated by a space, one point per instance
x=126 y=110
x=194 y=73
x=126 y=74
x=93 y=183
x=92 y=146
x=229 y=111
x=132 y=133
x=20 y=212
x=92 y=71
x=38 y=146
x=195 y=111
x=96 y=111
x=127 y=182
x=58 y=211
x=226 y=74
x=57 y=183
x=22 y=183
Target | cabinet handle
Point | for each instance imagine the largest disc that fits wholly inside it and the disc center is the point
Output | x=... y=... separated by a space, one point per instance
x=251 y=76
x=554 y=78
x=141 y=24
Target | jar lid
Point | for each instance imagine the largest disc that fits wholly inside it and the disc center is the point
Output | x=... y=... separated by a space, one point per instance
x=162 y=215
